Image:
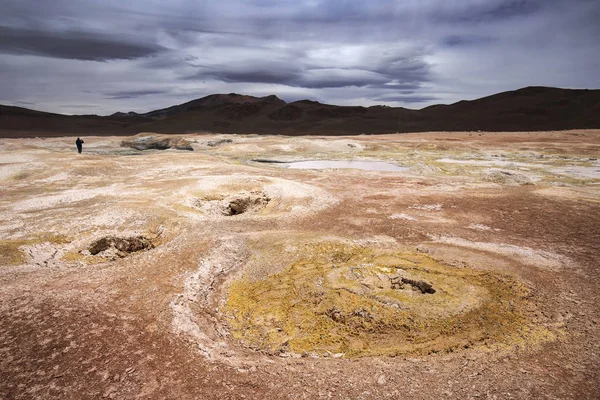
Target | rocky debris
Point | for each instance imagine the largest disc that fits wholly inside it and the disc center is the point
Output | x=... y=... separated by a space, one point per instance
x=363 y=314
x=399 y=282
x=158 y=143
x=122 y=246
x=506 y=177
x=335 y=314
x=215 y=143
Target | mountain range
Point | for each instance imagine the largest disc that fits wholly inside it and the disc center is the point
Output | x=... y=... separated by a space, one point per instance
x=527 y=109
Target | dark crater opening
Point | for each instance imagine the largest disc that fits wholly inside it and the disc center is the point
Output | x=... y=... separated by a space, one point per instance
x=122 y=246
x=241 y=204
x=399 y=283
x=235 y=204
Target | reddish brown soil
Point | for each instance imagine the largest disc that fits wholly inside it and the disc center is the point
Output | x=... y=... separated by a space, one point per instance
x=104 y=330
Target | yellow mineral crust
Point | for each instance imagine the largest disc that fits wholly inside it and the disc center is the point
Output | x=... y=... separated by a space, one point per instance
x=342 y=298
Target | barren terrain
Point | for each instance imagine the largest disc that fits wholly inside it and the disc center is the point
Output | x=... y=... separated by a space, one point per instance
x=471 y=272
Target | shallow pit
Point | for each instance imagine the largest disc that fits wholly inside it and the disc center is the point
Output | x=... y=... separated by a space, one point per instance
x=233 y=205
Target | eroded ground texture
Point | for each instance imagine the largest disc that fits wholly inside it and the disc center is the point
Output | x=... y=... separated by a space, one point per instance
x=472 y=272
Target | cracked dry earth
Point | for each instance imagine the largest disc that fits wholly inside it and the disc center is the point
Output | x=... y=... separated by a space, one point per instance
x=471 y=273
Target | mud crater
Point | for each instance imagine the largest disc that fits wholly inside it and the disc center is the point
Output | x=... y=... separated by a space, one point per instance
x=352 y=301
x=233 y=205
x=120 y=246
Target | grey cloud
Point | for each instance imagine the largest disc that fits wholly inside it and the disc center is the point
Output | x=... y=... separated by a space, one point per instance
x=490 y=11
x=132 y=94
x=466 y=40
x=308 y=78
x=335 y=78
x=406 y=98
x=252 y=75
x=79 y=106
x=403 y=87
x=71 y=45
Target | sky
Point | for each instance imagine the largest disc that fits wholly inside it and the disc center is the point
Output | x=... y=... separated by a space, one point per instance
x=103 y=56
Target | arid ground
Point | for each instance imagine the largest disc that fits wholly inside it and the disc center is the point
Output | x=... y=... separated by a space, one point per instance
x=471 y=272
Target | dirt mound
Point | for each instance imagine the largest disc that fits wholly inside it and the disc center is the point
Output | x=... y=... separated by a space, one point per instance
x=506 y=178
x=215 y=143
x=158 y=143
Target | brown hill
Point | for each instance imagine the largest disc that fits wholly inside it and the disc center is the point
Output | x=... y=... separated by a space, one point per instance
x=527 y=109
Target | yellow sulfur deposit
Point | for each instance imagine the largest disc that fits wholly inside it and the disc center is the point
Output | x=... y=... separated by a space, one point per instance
x=342 y=298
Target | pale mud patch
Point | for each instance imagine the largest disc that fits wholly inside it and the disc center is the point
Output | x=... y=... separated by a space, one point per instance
x=251 y=196
x=486 y=163
x=525 y=255
x=114 y=217
x=69 y=198
x=380 y=166
x=14 y=171
x=320 y=145
x=60 y=177
x=427 y=207
x=579 y=172
x=480 y=227
x=402 y=216
x=44 y=254
x=194 y=316
x=17 y=158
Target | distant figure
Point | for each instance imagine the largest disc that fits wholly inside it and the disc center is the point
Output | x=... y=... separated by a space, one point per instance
x=79 y=144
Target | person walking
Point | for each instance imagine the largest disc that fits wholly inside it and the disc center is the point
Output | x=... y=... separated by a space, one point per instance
x=79 y=144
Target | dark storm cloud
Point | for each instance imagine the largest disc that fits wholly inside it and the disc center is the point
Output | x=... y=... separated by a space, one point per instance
x=132 y=94
x=254 y=76
x=144 y=54
x=317 y=78
x=465 y=40
x=71 y=45
x=492 y=10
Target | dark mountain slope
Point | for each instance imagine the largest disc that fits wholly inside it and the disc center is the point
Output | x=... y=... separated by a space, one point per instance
x=527 y=109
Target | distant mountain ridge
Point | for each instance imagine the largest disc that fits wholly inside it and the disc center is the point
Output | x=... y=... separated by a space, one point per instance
x=527 y=109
